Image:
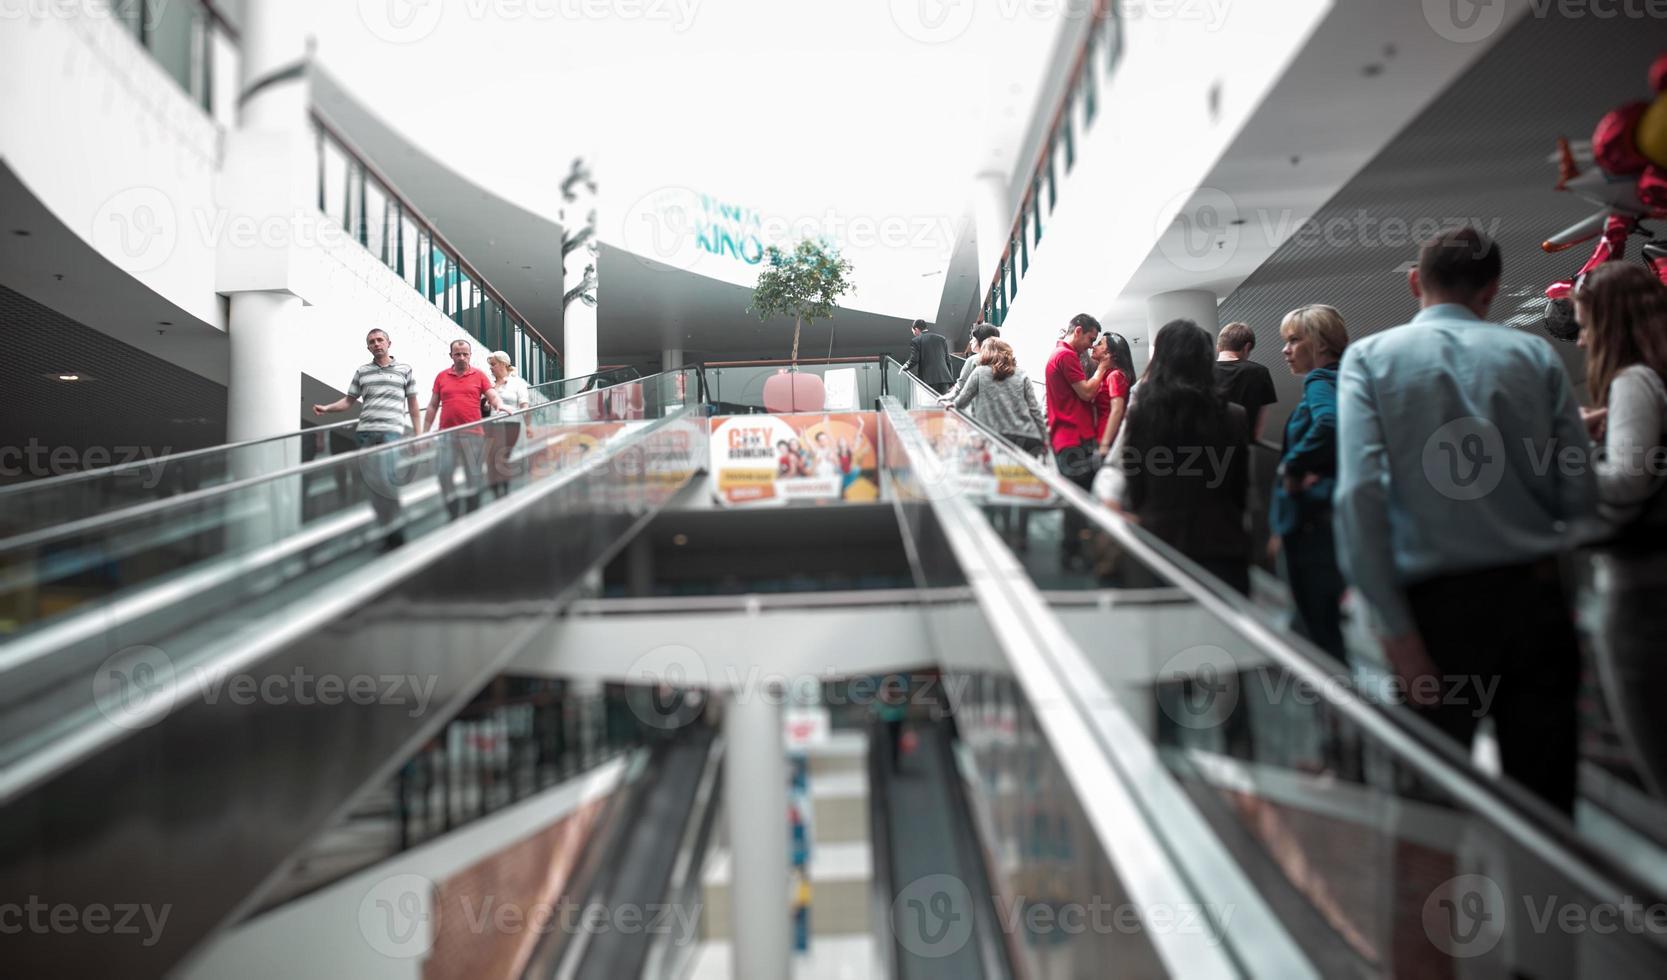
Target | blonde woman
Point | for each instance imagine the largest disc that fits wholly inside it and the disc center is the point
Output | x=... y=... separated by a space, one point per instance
x=514 y=396
x=1300 y=518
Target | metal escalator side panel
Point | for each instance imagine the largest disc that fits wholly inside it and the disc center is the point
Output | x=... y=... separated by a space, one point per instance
x=1109 y=767
x=196 y=806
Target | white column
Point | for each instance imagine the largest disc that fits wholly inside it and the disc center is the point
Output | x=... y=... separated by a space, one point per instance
x=755 y=805
x=263 y=389
x=1197 y=305
x=671 y=358
x=993 y=223
x=274 y=38
x=578 y=340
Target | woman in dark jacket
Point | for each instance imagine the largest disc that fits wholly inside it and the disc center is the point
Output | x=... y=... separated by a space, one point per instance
x=1185 y=456
x=1299 y=520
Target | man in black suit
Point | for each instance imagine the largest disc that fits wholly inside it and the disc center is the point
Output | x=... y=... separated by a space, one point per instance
x=929 y=358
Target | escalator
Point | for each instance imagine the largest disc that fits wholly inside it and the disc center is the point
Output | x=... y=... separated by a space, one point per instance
x=1141 y=774
x=50 y=504
x=1166 y=783
x=194 y=688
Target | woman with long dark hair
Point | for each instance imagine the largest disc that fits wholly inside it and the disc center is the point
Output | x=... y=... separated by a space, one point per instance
x=1185 y=456
x=1622 y=312
x=1111 y=404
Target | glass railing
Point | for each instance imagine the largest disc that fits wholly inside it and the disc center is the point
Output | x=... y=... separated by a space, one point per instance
x=1096 y=59
x=192 y=41
x=838 y=384
x=518 y=738
x=190 y=569
x=355 y=195
x=39 y=506
x=1285 y=791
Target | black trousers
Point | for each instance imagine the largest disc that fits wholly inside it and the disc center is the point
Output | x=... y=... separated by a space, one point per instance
x=1505 y=643
x=1076 y=463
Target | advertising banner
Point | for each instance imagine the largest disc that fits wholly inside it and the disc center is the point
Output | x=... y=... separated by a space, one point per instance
x=779 y=460
x=977 y=472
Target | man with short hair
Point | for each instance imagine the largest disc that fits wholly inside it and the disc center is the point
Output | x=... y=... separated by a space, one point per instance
x=1072 y=432
x=929 y=358
x=1449 y=519
x=1241 y=380
x=981 y=332
x=388 y=391
x=457 y=394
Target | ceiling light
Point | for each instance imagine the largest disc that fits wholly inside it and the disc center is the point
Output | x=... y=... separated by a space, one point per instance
x=69 y=377
x=680 y=539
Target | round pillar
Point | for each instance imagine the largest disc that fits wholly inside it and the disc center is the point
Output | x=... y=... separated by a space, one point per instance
x=274 y=41
x=755 y=806
x=263 y=387
x=1197 y=305
x=993 y=223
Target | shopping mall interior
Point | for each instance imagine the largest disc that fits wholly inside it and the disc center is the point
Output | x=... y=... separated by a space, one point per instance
x=718 y=488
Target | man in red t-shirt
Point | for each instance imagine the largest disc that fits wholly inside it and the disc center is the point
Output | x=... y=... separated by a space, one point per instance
x=456 y=399
x=1072 y=433
x=1071 y=429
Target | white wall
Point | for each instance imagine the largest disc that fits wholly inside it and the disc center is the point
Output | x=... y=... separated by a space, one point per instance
x=1152 y=143
x=122 y=157
x=343 y=930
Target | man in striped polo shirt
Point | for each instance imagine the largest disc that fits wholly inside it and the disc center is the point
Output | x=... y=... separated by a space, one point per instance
x=389 y=395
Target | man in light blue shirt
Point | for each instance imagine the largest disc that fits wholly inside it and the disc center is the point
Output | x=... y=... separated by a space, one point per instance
x=1463 y=471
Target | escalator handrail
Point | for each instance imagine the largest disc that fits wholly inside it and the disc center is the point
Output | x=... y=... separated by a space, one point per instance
x=30 y=770
x=427 y=439
x=1103 y=758
x=1523 y=816
x=65 y=479
x=56 y=482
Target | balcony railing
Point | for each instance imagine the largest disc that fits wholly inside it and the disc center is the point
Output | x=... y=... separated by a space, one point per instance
x=191 y=40
x=1096 y=59
x=354 y=194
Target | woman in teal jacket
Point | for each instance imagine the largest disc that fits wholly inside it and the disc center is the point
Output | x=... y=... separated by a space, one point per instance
x=1300 y=517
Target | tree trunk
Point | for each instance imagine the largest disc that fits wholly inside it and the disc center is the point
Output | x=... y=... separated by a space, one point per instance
x=796 y=322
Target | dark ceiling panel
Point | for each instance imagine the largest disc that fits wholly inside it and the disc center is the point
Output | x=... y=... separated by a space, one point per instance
x=131 y=403
x=1481 y=151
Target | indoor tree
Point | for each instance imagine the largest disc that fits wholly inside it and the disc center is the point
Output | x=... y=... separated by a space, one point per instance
x=804 y=284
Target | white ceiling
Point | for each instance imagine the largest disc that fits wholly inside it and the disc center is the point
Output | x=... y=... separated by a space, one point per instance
x=864 y=122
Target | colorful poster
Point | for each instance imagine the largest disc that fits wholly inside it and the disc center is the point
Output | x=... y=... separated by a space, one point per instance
x=985 y=472
x=778 y=460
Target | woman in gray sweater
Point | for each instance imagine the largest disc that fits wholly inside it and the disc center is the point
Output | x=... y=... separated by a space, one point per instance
x=1622 y=312
x=999 y=395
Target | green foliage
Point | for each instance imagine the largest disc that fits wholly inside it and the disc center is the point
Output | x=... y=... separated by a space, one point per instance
x=804 y=284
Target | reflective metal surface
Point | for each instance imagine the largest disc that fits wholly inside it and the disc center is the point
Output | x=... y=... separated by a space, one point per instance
x=200 y=771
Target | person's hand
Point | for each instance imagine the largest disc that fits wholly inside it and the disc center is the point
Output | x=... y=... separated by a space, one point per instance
x=1274 y=544
x=318 y=409
x=1595 y=419
x=1411 y=663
